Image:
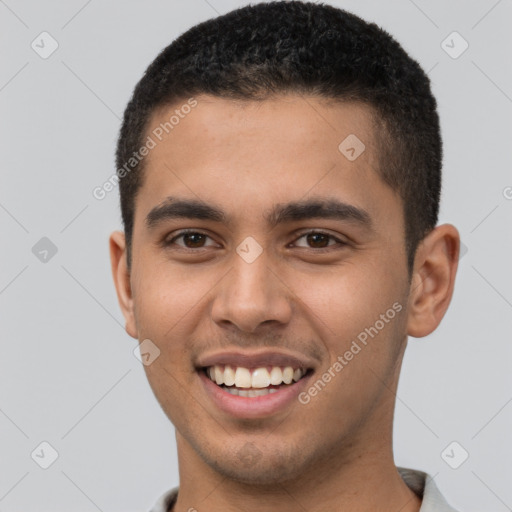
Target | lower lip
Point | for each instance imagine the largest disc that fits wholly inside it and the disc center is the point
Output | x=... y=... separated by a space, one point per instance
x=253 y=407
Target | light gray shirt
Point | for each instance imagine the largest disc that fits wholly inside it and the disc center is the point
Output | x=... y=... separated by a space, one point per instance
x=419 y=482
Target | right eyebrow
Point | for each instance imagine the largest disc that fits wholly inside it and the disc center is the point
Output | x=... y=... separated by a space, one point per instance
x=175 y=208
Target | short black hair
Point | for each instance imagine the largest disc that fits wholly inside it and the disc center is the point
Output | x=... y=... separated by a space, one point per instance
x=258 y=51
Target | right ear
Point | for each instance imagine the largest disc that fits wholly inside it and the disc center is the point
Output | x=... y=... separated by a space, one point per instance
x=121 y=275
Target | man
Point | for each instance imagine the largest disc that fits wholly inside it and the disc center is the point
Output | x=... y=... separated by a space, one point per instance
x=280 y=172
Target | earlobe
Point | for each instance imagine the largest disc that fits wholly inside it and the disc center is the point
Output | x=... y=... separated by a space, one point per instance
x=433 y=280
x=121 y=275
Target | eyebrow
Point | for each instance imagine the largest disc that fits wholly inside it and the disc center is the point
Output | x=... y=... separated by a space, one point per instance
x=316 y=208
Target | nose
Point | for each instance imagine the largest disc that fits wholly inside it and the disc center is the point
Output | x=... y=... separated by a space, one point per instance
x=250 y=295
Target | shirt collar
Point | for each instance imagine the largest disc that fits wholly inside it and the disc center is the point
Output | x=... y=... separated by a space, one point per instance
x=424 y=486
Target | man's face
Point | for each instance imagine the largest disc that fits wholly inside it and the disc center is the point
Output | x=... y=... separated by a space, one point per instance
x=254 y=283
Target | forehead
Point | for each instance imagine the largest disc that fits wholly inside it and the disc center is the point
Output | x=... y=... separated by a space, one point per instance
x=249 y=155
x=306 y=124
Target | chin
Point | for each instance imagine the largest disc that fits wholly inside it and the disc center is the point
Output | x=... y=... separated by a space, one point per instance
x=258 y=466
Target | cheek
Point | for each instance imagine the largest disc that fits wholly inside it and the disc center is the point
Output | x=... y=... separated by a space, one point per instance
x=359 y=318
x=167 y=308
x=166 y=296
x=344 y=302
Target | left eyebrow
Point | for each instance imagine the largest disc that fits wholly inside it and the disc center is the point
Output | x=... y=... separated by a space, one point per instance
x=315 y=208
x=321 y=208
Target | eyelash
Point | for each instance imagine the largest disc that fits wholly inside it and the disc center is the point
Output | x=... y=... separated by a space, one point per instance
x=180 y=234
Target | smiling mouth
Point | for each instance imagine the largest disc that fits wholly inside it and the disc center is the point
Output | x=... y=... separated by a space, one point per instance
x=253 y=382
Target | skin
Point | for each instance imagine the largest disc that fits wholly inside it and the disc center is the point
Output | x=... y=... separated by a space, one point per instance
x=335 y=453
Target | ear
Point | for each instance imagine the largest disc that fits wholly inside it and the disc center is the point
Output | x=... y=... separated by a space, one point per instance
x=435 y=266
x=121 y=275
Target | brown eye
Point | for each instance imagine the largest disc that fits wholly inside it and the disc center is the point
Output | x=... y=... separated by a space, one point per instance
x=319 y=240
x=191 y=240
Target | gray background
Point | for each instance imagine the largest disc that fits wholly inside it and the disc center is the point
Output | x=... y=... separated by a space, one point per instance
x=68 y=375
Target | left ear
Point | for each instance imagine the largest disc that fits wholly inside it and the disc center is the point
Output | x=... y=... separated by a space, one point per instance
x=435 y=266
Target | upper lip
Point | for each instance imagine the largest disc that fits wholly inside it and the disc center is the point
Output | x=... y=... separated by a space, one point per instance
x=255 y=359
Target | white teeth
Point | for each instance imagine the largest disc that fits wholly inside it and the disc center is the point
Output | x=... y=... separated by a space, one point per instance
x=288 y=375
x=219 y=375
x=260 y=378
x=229 y=375
x=276 y=376
x=250 y=392
x=243 y=378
